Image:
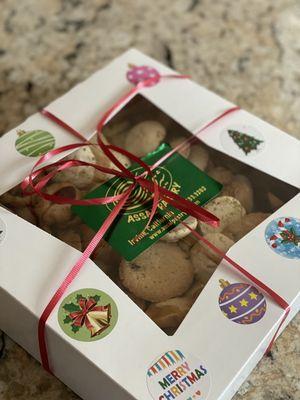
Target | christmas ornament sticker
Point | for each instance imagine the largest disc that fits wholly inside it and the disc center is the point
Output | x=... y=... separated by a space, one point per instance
x=34 y=143
x=2 y=231
x=242 y=140
x=283 y=237
x=241 y=303
x=178 y=375
x=88 y=315
x=143 y=73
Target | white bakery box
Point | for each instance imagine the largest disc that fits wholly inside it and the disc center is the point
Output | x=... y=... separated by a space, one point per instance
x=209 y=356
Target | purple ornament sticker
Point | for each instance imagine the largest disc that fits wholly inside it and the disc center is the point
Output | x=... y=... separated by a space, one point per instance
x=283 y=236
x=241 y=303
x=143 y=73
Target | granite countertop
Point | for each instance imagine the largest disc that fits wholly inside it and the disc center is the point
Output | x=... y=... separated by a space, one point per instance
x=246 y=51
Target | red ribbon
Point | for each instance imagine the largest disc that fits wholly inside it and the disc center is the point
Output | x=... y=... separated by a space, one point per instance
x=159 y=193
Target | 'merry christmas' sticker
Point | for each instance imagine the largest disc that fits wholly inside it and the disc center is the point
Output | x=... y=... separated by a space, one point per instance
x=127 y=234
x=178 y=375
x=87 y=315
x=283 y=237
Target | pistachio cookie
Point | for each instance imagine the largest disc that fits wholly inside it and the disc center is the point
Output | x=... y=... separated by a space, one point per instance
x=227 y=209
x=180 y=231
x=159 y=273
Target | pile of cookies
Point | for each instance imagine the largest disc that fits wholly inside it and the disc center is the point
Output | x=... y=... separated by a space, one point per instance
x=164 y=290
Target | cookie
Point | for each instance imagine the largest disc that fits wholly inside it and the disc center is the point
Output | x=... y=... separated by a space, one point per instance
x=180 y=231
x=72 y=238
x=144 y=137
x=204 y=267
x=142 y=304
x=199 y=156
x=159 y=273
x=241 y=189
x=187 y=243
x=227 y=209
x=14 y=200
x=274 y=201
x=114 y=130
x=49 y=213
x=220 y=241
x=27 y=214
x=237 y=230
x=107 y=259
x=81 y=176
x=169 y=313
x=221 y=174
x=104 y=161
x=194 y=290
x=185 y=149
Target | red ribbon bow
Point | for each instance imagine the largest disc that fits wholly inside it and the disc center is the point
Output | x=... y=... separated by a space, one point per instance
x=159 y=193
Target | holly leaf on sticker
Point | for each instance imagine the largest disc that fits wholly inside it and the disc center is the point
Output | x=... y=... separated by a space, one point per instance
x=75 y=329
x=79 y=296
x=96 y=298
x=71 y=307
x=67 y=320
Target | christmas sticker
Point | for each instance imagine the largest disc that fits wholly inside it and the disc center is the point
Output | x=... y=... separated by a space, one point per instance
x=178 y=375
x=283 y=236
x=88 y=315
x=34 y=143
x=2 y=231
x=241 y=303
x=143 y=73
x=242 y=140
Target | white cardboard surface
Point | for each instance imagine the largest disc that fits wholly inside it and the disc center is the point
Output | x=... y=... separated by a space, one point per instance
x=33 y=262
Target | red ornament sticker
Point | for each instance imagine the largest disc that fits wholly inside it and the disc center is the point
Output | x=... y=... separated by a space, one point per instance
x=241 y=303
x=178 y=375
x=143 y=73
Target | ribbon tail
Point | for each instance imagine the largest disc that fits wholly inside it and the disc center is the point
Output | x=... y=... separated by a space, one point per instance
x=71 y=276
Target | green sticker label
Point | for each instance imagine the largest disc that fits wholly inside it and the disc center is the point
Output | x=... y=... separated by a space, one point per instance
x=127 y=235
x=88 y=315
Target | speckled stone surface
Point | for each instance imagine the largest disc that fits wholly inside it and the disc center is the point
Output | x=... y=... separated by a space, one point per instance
x=247 y=51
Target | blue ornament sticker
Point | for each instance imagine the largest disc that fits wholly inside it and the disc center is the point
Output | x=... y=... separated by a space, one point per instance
x=283 y=236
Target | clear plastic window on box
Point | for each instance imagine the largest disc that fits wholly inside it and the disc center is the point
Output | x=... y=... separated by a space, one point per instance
x=166 y=278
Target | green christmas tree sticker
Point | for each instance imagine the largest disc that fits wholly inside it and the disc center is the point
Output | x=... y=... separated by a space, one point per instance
x=245 y=142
